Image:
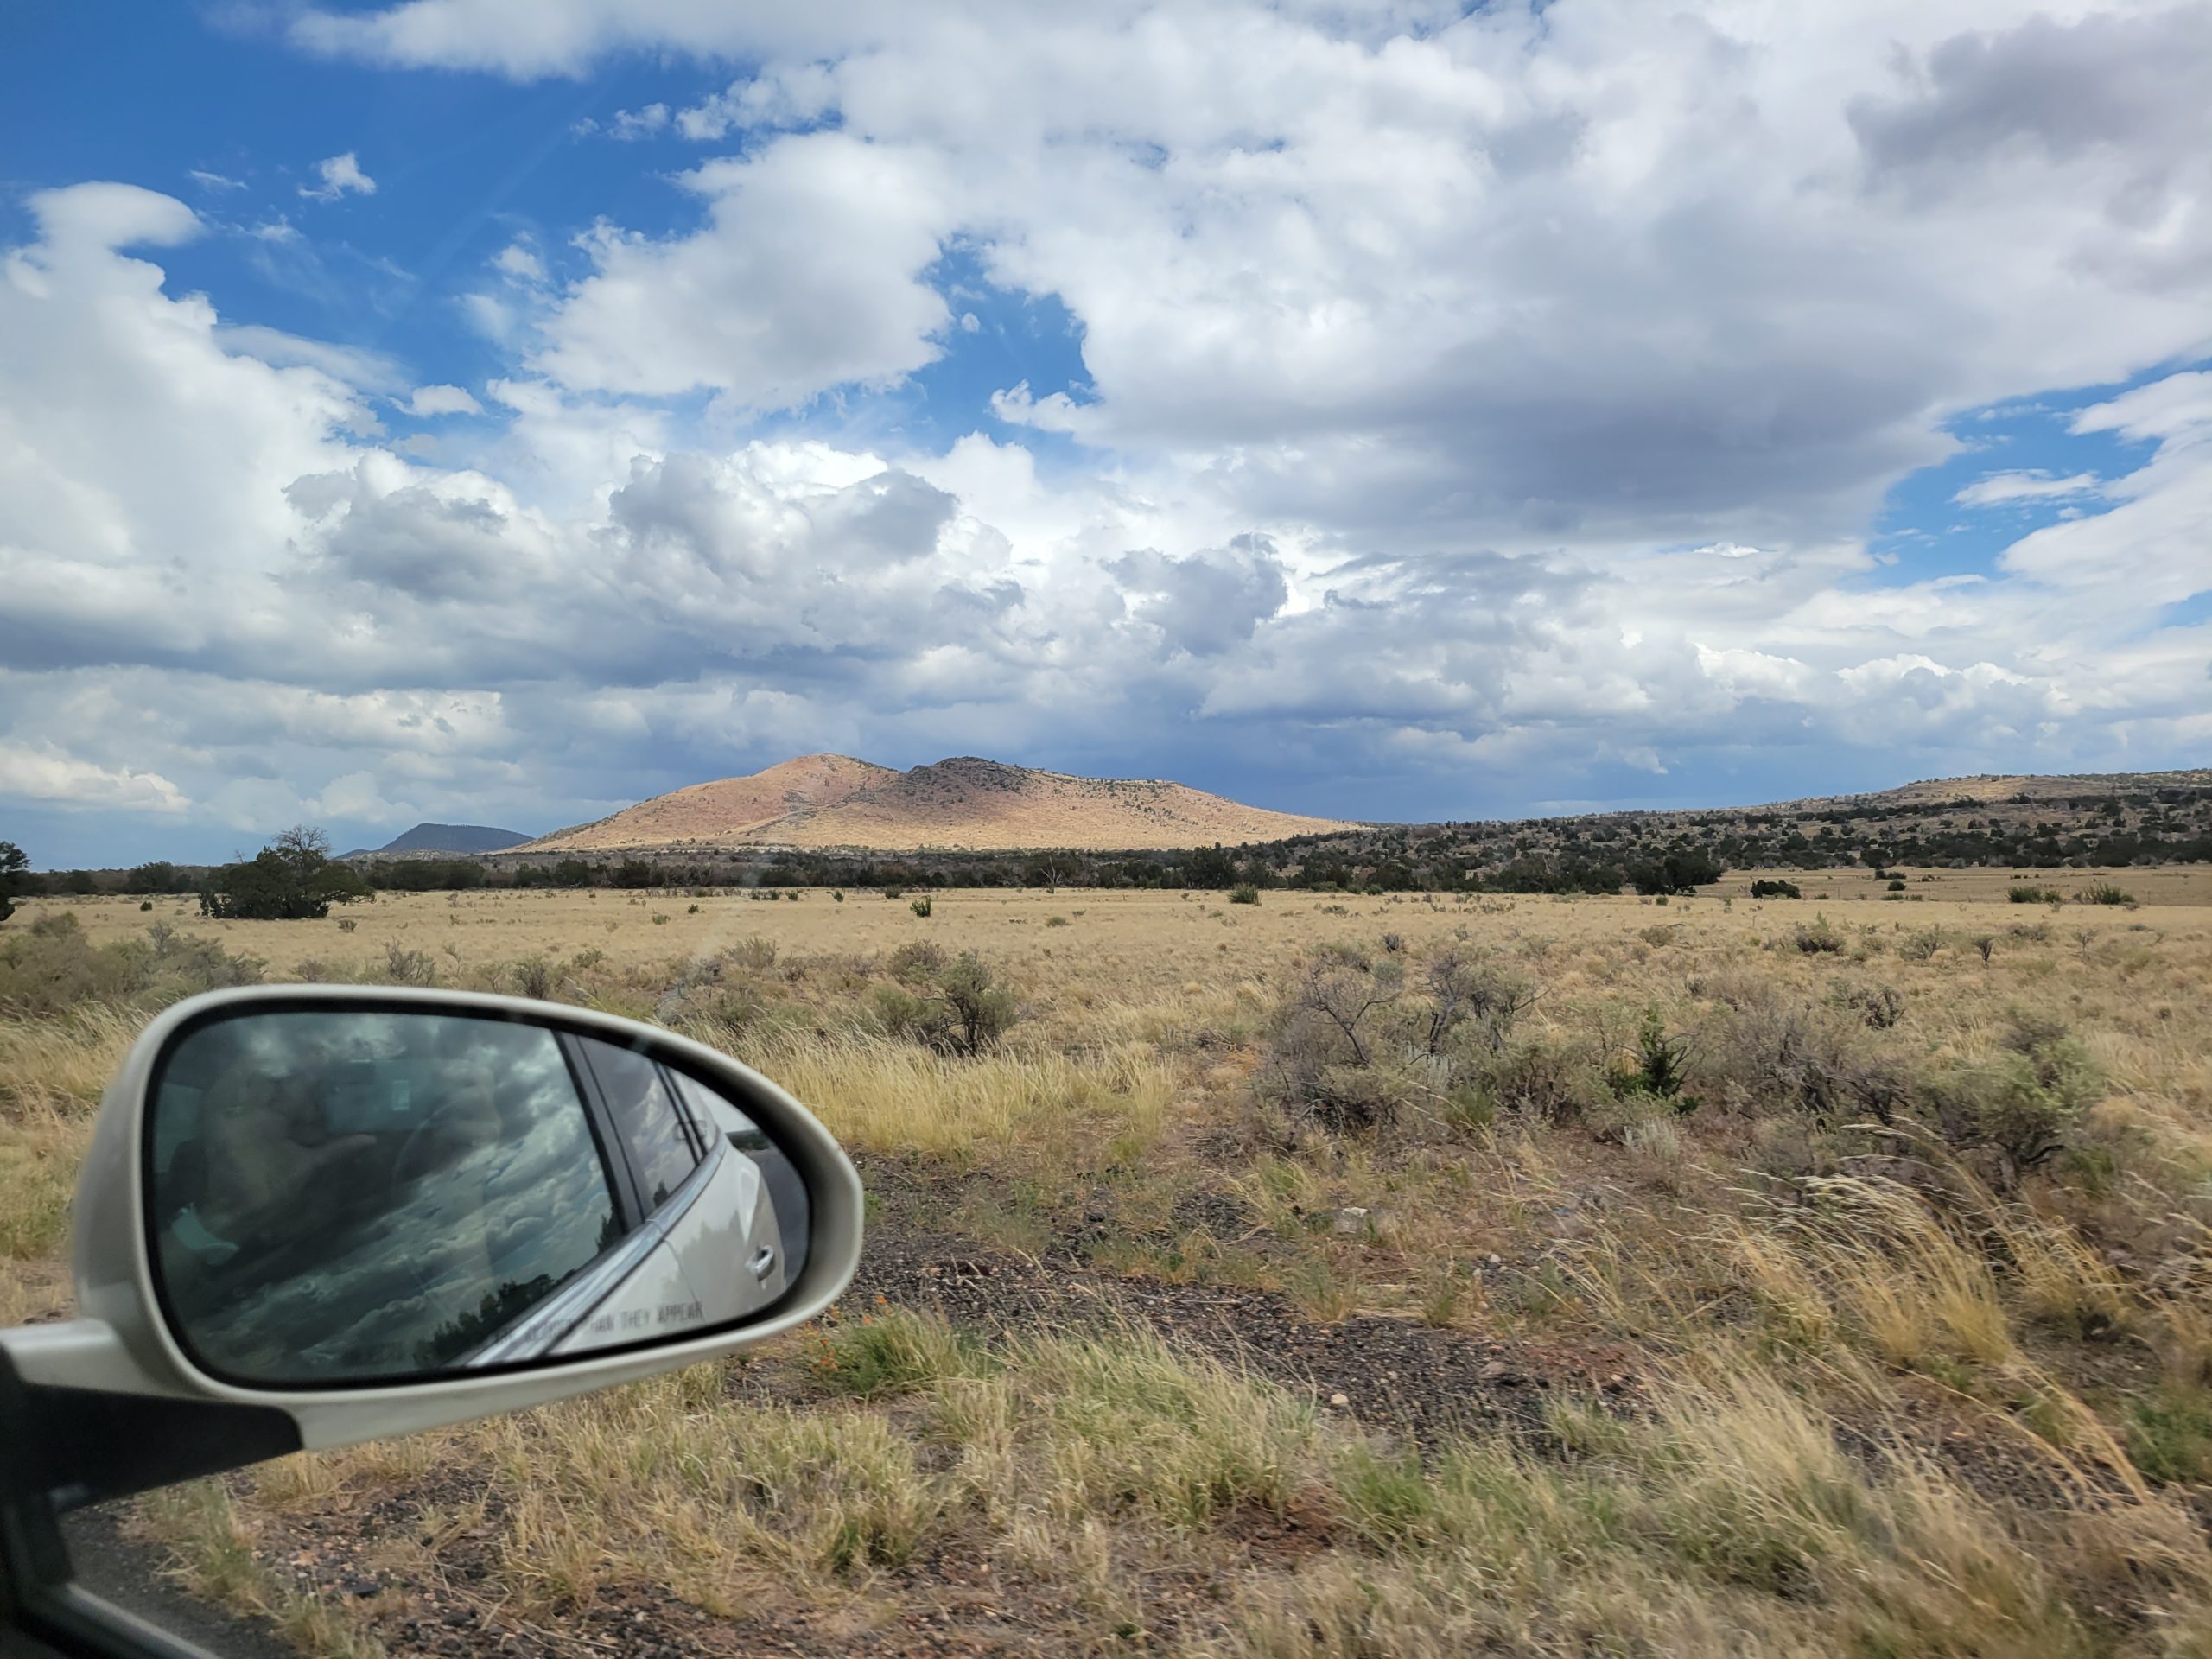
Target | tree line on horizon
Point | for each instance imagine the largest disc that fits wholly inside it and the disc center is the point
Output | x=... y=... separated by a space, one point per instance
x=1651 y=854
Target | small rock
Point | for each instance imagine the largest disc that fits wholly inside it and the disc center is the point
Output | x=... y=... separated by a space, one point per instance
x=1339 y=1401
x=1351 y=1219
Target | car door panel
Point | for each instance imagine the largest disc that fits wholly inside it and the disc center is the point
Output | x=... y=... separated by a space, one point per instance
x=653 y=1296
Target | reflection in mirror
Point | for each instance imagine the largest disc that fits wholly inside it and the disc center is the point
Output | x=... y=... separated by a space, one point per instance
x=348 y=1196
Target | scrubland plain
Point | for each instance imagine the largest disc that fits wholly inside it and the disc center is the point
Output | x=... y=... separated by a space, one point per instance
x=1322 y=1276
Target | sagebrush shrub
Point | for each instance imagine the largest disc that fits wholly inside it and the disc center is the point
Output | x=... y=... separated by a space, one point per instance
x=51 y=965
x=1767 y=1053
x=1820 y=938
x=2026 y=1100
x=955 y=1007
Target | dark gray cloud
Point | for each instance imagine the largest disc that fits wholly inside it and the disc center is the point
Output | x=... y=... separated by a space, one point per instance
x=2134 y=84
x=1206 y=603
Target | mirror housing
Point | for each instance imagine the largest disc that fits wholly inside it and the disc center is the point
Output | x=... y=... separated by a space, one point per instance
x=123 y=1341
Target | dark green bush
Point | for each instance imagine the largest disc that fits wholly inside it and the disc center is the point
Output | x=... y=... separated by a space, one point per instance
x=1771 y=888
x=292 y=879
x=1659 y=1067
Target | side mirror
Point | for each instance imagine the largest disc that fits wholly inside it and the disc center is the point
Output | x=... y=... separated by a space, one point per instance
x=336 y=1196
x=316 y=1215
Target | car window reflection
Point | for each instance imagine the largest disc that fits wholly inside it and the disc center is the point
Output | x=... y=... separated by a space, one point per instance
x=645 y=1117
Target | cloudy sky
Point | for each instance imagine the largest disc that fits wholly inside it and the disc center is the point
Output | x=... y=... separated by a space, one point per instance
x=500 y=411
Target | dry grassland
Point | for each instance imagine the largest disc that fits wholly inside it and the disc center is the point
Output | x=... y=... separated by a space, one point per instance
x=1846 y=1258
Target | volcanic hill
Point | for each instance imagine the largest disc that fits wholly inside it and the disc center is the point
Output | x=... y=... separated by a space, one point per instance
x=819 y=802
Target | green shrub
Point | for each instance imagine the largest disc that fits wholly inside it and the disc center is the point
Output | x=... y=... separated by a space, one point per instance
x=2105 y=892
x=921 y=907
x=1551 y=1084
x=2026 y=893
x=955 y=1007
x=1471 y=999
x=1775 y=889
x=1658 y=1068
x=2023 y=1102
x=1244 y=895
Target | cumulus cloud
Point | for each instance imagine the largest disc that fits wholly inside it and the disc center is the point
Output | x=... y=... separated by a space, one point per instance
x=1204 y=604
x=427 y=403
x=1640 y=311
x=341 y=176
x=42 y=773
x=808 y=276
x=1482 y=401
x=631 y=126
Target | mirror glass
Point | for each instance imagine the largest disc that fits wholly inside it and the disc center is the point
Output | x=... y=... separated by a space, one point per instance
x=340 y=1197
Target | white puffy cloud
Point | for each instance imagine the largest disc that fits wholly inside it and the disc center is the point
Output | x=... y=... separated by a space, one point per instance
x=1486 y=401
x=341 y=176
x=1595 y=270
x=808 y=276
x=630 y=125
x=42 y=773
x=427 y=403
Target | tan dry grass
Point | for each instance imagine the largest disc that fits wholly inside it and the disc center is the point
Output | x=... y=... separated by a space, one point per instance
x=1730 y=1523
x=1089 y=1479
